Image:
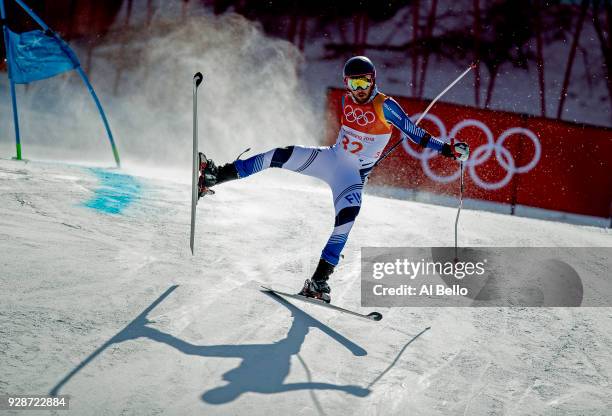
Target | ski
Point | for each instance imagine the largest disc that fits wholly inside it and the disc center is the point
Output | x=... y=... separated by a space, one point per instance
x=195 y=166
x=372 y=316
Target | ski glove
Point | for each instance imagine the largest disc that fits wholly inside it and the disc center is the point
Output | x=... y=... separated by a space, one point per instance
x=456 y=150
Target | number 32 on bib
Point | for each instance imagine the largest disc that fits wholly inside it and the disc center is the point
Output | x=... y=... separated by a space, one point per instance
x=354 y=146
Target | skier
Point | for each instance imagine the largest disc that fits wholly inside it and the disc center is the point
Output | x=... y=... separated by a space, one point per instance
x=366 y=124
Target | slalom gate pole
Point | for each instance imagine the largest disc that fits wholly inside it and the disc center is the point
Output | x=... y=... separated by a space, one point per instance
x=102 y=114
x=424 y=113
x=79 y=70
x=12 y=84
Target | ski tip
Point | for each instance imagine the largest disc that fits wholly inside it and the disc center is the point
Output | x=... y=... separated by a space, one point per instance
x=198 y=77
x=375 y=316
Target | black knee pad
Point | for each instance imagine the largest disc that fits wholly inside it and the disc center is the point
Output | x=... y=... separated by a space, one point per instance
x=345 y=215
x=281 y=156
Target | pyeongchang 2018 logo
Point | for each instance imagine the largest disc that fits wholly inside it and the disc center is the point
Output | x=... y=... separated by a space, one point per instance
x=480 y=154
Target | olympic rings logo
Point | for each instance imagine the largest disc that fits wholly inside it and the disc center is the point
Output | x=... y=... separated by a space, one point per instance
x=358 y=115
x=480 y=154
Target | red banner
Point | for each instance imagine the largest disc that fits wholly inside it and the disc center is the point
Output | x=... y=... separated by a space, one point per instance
x=515 y=158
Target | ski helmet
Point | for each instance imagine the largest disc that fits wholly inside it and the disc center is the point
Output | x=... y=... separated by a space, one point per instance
x=359 y=65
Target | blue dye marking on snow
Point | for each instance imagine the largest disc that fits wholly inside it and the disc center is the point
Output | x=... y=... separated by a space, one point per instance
x=115 y=192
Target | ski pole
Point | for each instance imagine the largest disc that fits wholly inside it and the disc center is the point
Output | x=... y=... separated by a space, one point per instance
x=459 y=208
x=451 y=85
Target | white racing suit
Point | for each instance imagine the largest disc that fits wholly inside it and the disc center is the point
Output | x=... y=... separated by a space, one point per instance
x=364 y=133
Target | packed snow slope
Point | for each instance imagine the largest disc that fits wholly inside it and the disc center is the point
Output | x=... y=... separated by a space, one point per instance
x=101 y=299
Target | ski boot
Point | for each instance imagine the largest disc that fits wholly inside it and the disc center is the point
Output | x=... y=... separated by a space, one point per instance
x=316 y=287
x=211 y=175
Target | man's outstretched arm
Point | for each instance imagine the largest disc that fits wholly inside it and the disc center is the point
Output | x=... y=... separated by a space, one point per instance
x=396 y=116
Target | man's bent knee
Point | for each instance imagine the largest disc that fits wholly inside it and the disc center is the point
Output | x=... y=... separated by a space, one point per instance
x=346 y=215
x=281 y=156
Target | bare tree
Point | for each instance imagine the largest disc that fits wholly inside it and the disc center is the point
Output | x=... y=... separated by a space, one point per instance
x=604 y=34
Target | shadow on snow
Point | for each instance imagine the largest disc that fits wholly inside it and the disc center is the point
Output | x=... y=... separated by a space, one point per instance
x=263 y=369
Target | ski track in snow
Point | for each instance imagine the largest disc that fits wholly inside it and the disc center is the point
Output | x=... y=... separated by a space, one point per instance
x=75 y=282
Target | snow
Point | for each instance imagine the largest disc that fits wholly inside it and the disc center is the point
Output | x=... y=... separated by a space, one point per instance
x=112 y=308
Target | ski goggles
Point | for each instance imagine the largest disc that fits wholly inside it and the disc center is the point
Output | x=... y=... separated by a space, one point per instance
x=359 y=83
